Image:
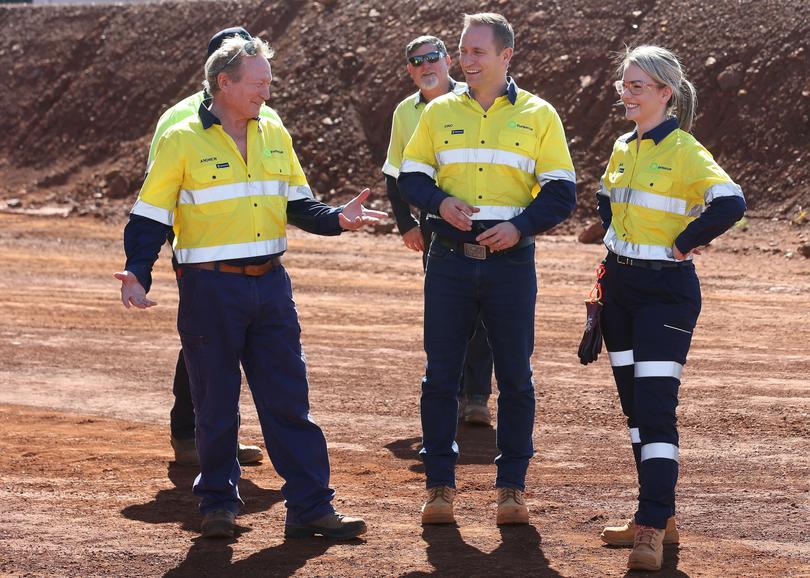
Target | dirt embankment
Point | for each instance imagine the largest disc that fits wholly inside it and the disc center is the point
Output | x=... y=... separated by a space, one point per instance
x=85 y=85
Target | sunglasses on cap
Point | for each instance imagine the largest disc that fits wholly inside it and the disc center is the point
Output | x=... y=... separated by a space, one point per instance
x=250 y=48
x=432 y=57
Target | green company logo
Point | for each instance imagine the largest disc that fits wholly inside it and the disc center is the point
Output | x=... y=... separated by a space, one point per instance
x=512 y=124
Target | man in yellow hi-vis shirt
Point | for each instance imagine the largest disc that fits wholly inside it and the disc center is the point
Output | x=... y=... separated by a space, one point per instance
x=225 y=180
x=492 y=168
x=181 y=417
x=429 y=68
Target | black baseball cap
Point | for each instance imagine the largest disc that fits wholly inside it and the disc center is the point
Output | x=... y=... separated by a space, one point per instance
x=218 y=38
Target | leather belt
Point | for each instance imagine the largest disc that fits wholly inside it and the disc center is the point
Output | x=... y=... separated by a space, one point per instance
x=655 y=265
x=249 y=270
x=479 y=252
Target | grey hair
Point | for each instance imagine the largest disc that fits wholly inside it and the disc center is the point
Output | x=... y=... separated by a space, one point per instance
x=221 y=60
x=501 y=29
x=421 y=41
x=665 y=69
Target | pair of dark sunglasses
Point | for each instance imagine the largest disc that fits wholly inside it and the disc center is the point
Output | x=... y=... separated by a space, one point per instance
x=432 y=57
x=250 y=48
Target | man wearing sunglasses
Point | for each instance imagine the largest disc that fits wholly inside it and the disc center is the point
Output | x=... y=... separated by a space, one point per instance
x=429 y=68
x=492 y=167
x=226 y=180
x=181 y=417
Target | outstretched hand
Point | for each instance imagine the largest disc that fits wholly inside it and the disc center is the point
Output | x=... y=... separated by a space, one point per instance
x=355 y=215
x=132 y=292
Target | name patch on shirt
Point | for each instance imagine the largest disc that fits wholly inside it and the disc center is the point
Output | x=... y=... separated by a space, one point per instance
x=457 y=131
x=223 y=165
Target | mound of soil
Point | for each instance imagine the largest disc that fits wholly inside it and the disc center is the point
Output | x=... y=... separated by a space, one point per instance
x=85 y=85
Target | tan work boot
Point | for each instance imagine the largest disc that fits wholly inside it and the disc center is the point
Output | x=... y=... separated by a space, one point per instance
x=438 y=509
x=648 y=549
x=185 y=452
x=624 y=534
x=335 y=526
x=476 y=411
x=249 y=454
x=218 y=524
x=511 y=507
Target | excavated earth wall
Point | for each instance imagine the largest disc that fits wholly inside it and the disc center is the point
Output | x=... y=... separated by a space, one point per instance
x=84 y=86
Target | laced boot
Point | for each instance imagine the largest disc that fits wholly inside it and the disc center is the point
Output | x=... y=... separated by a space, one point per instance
x=438 y=509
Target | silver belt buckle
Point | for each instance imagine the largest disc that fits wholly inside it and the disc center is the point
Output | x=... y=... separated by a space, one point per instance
x=474 y=251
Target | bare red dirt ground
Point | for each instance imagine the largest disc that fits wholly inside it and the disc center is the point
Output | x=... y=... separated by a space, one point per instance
x=87 y=487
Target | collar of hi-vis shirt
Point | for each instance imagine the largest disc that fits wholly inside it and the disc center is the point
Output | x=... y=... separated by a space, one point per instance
x=208 y=118
x=657 y=134
x=511 y=90
x=455 y=87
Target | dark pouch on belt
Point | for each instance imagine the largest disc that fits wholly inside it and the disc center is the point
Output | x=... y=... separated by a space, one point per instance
x=591 y=345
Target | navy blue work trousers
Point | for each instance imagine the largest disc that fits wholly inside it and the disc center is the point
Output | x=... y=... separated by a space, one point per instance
x=647 y=322
x=476 y=377
x=502 y=290
x=224 y=319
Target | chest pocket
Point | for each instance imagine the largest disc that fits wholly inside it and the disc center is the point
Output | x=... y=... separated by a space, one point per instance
x=210 y=176
x=654 y=182
x=204 y=200
x=276 y=168
x=452 y=139
x=521 y=142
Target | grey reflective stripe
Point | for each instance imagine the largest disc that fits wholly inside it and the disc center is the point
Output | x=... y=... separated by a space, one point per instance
x=635 y=437
x=621 y=358
x=486 y=156
x=648 y=200
x=149 y=211
x=496 y=213
x=390 y=170
x=636 y=250
x=603 y=189
x=232 y=251
x=299 y=192
x=233 y=191
x=658 y=369
x=415 y=167
x=659 y=450
x=557 y=175
x=490 y=213
x=722 y=190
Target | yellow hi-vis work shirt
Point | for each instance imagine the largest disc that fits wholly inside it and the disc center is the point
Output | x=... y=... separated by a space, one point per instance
x=657 y=190
x=496 y=160
x=220 y=207
x=403 y=124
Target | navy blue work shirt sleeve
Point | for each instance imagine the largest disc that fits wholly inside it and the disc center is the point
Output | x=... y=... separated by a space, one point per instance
x=604 y=210
x=314 y=217
x=554 y=203
x=421 y=191
x=402 y=210
x=143 y=238
x=719 y=216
